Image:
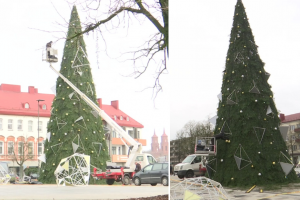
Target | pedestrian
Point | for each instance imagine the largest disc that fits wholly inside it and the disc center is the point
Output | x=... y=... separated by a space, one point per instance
x=137 y=167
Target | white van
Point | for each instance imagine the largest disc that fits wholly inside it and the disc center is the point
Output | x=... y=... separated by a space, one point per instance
x=190 y=166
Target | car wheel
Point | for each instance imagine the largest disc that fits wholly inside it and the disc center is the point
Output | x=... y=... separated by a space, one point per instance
x=189 y=174
x=137 y=181
x=180 y=176
x=126 y=180
x=165 y=181
x=110 y=181
x=153 y=184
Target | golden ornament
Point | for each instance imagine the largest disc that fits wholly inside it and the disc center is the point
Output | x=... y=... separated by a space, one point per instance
x=233 y=72
x=92 y=151
x=271 y=143
x=252 y=166
x=86 y=138
x=237 y=13
x=58 y=139
x=56 y=109
x=242 y=92
x=271 y=96
x=53 y=133
x=265 y=119
x=53 y=164
x=223 y=105
x=78 y=129
x=273 y=163
x=68 y=87
x=72 y=124
x=259 y=71
x=87 y=120
x=244 y=46
x=66 y=113
x=227 y=58
x=219 y=128
x=83 y=109
x=232 y=178
x=103 y=138
x=63 y=98
x=228 y=81
x=238 y=26
x=245 y=65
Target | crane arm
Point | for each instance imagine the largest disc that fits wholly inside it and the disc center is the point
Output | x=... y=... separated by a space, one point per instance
x=137 y=147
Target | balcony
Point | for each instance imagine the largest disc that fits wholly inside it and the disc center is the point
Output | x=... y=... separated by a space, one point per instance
x=118 y=141
x=297 y=130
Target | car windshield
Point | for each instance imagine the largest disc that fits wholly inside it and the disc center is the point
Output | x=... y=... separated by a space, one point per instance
x=188 y=159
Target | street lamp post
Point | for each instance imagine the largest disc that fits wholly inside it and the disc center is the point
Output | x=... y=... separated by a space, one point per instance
x=38 y=131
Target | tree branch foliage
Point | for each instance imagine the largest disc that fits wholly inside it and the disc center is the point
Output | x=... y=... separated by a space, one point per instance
x=154 y=50
x=186 y=137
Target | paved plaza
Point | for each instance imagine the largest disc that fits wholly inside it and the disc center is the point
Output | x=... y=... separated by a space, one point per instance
x=54 y=192
x=289 y=192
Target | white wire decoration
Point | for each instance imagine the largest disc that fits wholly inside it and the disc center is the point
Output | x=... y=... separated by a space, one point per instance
x=48 y=135
x=267 y=75
x=238 y=157
x=231 y=99
x=286 y=167
x=80 y=122
x=270 y=112
x=73 y=170
x=42 y=158
x=89 y=89
x=225 y=128
x=239 y=58
x=213 y=120
x=79 y=59
x=60 y=123
x=74 y=96
x=220 y=96
x=78 y=145
x=198 y=188
x=254 y=89
x=259 y=132
x=59 y=145
x=97 y=150
x=52 y=111
x=4 y=176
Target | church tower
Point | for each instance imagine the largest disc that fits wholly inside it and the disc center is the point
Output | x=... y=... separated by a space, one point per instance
x=164 y=145
x=155 y=145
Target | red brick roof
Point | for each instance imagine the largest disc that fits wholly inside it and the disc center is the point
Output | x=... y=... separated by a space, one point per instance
x=12 y=102
x=289 y=118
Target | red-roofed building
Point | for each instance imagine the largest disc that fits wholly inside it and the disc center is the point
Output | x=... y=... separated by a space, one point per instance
x=19 y=122
x=293 y=135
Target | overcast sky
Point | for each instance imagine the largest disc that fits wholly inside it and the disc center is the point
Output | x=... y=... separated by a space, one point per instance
x=21 y=54
x=199 y=40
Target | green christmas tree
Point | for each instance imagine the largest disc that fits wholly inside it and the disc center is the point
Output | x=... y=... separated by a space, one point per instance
x=253 y=152
x=73 y=126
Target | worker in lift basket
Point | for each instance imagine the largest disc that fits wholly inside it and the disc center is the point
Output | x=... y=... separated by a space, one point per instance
x=137 y=167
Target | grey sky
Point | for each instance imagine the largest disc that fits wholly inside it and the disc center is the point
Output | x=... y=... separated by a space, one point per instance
x=21 y=54
x=199 y=38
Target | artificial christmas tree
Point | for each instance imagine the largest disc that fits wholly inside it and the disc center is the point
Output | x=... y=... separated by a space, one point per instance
x=74 y=127
x=253 y=151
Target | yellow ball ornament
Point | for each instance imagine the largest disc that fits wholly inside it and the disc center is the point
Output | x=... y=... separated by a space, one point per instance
x=273 y=163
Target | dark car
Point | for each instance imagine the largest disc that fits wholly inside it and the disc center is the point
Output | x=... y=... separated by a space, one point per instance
x=153 y=174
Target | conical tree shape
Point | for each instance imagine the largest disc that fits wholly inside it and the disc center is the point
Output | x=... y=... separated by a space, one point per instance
x=72 y=123
x=251 y=154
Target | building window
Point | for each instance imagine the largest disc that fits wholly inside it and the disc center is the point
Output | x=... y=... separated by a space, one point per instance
x=114 y=135
x=130 y=132
x=127 y=118
x=20 y=148
x=166 y=148
x=119 y=151
x=294 y=147
x=30 y=124
x=20 y=125
x=1 y=124
x=121 y=117
x=44 y=107
x=40 y=126
x=115 y=117
x=1 y=148
x=40 y=148
x=113 y=150
x=292 y=128
x=26 y=105
x=30 y=148
x=10 y=148
x=10 y=125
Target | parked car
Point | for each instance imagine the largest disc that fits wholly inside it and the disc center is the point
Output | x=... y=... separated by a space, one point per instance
x=153 y=174
x=34 y=176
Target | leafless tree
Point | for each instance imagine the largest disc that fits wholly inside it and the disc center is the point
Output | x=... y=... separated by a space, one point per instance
x=21 y=154
x=291 y=143
x=111 y=14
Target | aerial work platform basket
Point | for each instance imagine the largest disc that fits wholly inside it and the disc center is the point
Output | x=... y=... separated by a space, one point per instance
x=206 y=145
